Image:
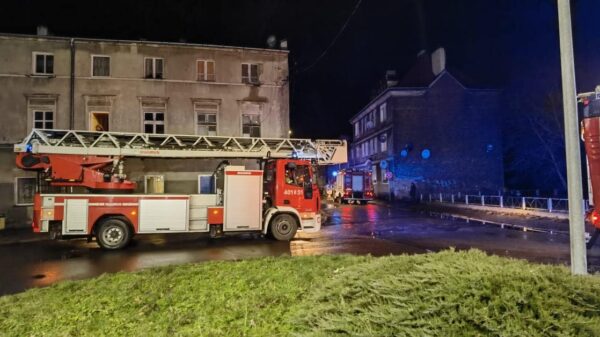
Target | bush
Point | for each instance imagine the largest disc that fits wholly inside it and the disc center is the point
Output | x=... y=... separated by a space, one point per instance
x=453 y=294
x=443 y=294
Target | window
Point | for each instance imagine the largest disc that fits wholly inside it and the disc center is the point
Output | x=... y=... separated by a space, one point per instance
x=206 y=114
x=43 y=63
x=298 y=175
x=205 y=70
x=43 y=119
x=206 y=183
x=154 y=184
x=356 y=129
x=153 y=67
x=384 y=176
x=250 y=125
x=24 y=191
x=250 y=73
x=100 y=66
x=154 y=122
x=374 y=174
x=383 y=142
x=383 y=113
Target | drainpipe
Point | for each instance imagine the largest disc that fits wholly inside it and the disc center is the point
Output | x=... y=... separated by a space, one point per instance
x=72 y=89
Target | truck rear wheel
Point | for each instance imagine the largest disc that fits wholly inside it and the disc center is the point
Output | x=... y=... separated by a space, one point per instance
x=283 y=227
x=113 y=234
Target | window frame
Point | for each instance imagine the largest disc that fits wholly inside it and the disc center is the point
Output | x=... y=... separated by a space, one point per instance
x=44 y=121
x=252 y=125
x=249 y=77
x=34 y=63
x=16 y=191
x=153 y=75
x=93 y=56
x=383 y=112
x=154 y=122
x=162 y=179
x=383 y=144
x=206 y=75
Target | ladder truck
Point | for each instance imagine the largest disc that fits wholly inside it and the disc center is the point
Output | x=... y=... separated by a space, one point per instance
x=277 y=200
x=590 y=134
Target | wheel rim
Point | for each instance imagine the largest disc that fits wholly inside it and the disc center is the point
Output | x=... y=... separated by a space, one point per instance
x=284 y=227
x=113 y=235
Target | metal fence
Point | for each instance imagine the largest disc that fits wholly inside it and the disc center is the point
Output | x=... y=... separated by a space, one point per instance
x=558 y=205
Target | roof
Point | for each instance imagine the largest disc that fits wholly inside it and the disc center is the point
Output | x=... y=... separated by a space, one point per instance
x=417 y=81
x=143 y=42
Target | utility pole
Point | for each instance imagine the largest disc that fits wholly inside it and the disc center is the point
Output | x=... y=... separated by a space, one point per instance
x=573 y=156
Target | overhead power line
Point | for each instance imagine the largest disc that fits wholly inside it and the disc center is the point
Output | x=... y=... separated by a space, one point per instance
x=337 y=36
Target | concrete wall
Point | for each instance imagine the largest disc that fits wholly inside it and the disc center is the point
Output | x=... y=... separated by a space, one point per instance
x=124 y=92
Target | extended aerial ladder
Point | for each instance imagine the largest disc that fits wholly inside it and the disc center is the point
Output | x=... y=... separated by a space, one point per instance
x=94 y=159
x=278 y=199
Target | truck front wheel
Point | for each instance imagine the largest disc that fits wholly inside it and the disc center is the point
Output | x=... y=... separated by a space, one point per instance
x=284 y=227
x=113 y=234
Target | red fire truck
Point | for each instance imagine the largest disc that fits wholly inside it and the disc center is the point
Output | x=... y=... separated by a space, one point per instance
x=353 y=186
x=590 y=133
x=277 y=200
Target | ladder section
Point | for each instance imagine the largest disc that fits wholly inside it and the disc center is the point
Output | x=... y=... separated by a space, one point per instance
x=125 y=144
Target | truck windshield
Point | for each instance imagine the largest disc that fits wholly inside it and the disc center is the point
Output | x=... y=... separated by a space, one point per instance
x=297 y=175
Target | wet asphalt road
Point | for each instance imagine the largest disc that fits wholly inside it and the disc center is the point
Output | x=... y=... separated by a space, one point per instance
x=371 y=229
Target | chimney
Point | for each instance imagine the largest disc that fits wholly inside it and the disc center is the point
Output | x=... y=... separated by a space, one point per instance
x=391 y=79
x=42 y=30
x=283 y=44
x=438 y=61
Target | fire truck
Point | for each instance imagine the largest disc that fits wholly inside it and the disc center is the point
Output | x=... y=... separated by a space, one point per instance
x=590 y=134
x=353 y=186
x=276 y=200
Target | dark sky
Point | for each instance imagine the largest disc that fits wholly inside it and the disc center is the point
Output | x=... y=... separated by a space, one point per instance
x=493 y=43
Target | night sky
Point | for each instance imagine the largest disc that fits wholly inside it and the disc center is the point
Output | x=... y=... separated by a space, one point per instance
x=505 y=44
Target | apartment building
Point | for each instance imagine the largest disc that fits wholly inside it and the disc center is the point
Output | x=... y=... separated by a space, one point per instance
x=134 y=86
x=429 y=130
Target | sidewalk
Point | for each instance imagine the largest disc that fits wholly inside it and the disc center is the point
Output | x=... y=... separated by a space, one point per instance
x=533 y=221
x=10 y=236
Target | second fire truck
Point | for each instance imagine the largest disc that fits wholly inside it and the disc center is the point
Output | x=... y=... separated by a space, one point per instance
x=278 y=199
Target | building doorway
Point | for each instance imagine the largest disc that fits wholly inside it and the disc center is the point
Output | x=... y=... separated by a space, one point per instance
x=99 y=121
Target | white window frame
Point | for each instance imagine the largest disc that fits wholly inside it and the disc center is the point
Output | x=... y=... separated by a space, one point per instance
x=154 y=122
x=16 y=191
x=383 y=112
x=383 y=145
x=92 y=66
x=259 y=124
x=44 y=121
x=250 y=81
x=33 y=63
x=206 y=78
x=153 y=77
x=198 y=111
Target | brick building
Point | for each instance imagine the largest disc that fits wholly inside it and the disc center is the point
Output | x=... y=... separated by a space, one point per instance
x=430 y=130
x=134 y=86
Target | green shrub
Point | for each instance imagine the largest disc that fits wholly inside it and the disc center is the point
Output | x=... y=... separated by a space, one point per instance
x=453 y=294
x=443 y=294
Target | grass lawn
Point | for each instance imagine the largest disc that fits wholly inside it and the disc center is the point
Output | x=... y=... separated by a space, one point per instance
x=442 y=294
